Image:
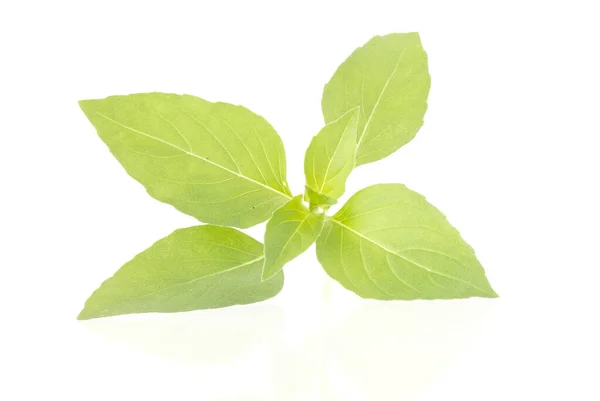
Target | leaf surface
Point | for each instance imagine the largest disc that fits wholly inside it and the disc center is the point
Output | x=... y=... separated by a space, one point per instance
x=388 y=78
x=218 y=162
x=291 y=231
x=388 y=242
x=329 y=159
x=193 y=268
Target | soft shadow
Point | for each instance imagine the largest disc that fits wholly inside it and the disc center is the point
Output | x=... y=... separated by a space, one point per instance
x=396 y=350
x=211 y=337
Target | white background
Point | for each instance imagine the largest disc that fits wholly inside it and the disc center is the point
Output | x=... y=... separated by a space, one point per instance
x=509 y=152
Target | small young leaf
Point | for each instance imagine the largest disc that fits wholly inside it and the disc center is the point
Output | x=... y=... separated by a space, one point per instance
x=330 y=156
x=193 y=268
x=218 y=162
x=388 y=78
x=318 y=200
x=291 y=230
x=388 y=242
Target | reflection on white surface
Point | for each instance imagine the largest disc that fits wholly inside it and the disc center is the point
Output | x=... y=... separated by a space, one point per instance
x=213 y=337
x=396 y=350
x=384 y=351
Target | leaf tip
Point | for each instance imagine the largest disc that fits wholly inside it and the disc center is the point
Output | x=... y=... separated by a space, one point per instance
x=91 y=311
x=488 y=292
x=84 y=315
x=83 y=103
x=86 y=106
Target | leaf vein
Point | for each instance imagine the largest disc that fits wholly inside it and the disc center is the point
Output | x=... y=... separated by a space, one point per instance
x=196 y=156
x=404 y=257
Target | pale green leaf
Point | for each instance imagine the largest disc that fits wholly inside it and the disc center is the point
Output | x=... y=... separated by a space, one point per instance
x=329 y=159
x=291 y=230
x=389 y=79
x=218 y=162
x=317 y=200
x=388 y=242
x=199 y=267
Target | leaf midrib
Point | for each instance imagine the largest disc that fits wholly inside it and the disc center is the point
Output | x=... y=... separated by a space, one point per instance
x=191 y=281
x=194 y=155
x=387 y=82
x=402 y=257
x=337 y=146
x=300 y=224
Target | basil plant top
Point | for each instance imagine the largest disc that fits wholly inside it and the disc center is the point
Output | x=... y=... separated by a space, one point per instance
x=226 y=166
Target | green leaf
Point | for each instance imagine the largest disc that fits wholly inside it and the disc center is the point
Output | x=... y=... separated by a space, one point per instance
x=318 y=200
x=218 y=162
x=193 y=268
x=388 y=78
x=291 y=231
x=330 y=156
x=388 y=242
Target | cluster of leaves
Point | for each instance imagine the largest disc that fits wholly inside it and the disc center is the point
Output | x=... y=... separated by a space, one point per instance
x=226 y=166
